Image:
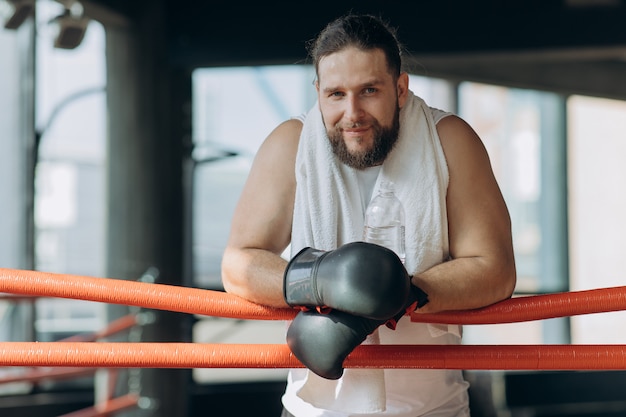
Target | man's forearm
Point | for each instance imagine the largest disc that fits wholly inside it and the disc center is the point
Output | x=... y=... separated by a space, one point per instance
x=254 y=274
x=465 y=283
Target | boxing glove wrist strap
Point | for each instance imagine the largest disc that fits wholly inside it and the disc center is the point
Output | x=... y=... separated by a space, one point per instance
x=299 y=290
x=418 y=300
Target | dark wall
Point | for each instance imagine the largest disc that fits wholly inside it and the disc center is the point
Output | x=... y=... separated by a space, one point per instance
x=220 y=33
x=207 y=33
x=564 y=46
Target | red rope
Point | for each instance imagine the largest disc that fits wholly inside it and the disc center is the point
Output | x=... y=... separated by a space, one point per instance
x=198 y=355
x=215 y=303
x=139 y=294
x=536 y=307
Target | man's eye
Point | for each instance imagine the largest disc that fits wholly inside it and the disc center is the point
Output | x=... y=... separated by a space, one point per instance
x=369 y=90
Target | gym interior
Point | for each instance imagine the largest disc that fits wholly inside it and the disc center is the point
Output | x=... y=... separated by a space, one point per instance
x=128 y=129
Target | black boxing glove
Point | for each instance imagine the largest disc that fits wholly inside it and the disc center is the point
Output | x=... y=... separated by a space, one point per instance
x=323 y=341
x=417 y=298
x=360 y=278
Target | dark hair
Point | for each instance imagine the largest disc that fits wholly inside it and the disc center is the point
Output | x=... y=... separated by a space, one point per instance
x=365 y=32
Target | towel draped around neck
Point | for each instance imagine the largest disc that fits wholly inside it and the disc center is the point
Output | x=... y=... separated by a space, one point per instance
x=328 y=213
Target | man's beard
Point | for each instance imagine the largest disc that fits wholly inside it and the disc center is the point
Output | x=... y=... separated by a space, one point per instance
x=384 y=140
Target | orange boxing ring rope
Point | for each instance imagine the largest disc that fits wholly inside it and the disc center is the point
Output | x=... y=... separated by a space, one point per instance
x=37 y=375
x=138 y=294
x=198 y=355
x=213 y=303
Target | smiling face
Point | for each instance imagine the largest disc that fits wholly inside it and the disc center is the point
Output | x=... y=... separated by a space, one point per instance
x=360 y=101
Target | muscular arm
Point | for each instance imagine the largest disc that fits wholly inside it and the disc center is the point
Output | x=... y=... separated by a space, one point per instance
x=261 y=226
x=482 y=267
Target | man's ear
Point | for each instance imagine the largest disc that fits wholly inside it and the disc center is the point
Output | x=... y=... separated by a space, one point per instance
x=402 y=88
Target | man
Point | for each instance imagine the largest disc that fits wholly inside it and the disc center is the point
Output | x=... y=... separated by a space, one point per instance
x=309 y=187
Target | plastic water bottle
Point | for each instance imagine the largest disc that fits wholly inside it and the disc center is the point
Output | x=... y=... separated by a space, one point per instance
x=384 y=221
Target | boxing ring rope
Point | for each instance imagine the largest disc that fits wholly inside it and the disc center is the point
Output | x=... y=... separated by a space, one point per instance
x=198 y=355
x=213 y=303
x=138 y=294
x=38 y=375
x=535 y=307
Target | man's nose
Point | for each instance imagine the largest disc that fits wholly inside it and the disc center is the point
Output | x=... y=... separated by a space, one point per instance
x=354 y=109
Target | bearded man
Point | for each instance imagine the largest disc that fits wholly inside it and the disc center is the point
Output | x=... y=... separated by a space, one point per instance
x=309 y=186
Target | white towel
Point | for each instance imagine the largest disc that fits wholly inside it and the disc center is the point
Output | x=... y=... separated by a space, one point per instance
x=328 y=213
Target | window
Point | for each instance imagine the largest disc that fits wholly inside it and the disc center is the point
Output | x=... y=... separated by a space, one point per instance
x=69 y=119
x=234 y=111
x=15 y=106
x=524 y=136
x=69 y=178
x=523 y=131
x=597 y=175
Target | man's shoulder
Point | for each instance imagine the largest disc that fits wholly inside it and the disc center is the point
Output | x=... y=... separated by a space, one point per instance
x=439 y=115
x=284 y=139
x=289 y=130
x=301 y=117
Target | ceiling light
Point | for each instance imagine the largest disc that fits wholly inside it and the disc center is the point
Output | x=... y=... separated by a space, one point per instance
x=71 y=26
x=16 y=12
